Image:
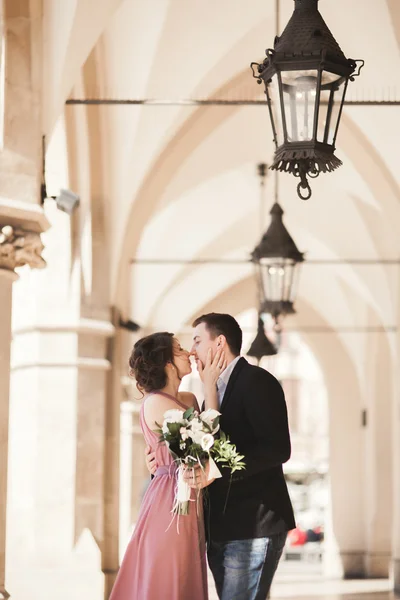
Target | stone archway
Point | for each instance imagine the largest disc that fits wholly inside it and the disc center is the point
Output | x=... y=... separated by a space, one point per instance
x=361 y=510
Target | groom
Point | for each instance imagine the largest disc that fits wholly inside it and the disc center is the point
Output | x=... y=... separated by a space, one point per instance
x=249 y=516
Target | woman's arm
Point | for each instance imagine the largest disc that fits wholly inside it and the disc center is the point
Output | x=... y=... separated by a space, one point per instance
x=211 y=396
x=199 y=478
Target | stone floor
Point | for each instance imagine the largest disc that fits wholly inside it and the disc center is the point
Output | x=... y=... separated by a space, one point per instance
x=301 y=581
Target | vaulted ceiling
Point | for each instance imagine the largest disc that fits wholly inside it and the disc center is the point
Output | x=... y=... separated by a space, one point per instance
x=178 y=181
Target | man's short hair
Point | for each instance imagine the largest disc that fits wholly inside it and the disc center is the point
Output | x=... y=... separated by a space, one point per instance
x=222 y=324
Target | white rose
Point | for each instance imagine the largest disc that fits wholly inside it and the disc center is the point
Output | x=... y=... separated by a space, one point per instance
x=207 y=441
x=208 y=416
x=184 y=433
x=210 y=413
x=197 y=436
x=196 y=425
x=174 y=416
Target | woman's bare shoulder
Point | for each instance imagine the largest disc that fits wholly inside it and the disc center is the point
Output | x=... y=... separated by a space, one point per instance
x=155 y=406
x=188 y=399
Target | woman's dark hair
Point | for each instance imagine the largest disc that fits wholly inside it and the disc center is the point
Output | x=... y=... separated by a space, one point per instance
x=222 y=324
x=149 y=358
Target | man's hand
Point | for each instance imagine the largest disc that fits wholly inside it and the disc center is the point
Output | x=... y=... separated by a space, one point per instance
x=197 y=477
x=150 y=460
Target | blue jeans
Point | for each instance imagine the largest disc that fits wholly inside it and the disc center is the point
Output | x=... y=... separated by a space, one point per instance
x=244 y=569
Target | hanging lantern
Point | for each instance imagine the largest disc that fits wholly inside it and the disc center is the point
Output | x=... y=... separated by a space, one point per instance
x=277 y=261
x=311 y=74
x=261 y=345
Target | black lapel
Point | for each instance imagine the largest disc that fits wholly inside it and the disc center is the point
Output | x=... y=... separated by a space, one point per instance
x=232 y=380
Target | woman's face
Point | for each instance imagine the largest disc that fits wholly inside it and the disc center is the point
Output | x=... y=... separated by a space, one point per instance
x=181 y=359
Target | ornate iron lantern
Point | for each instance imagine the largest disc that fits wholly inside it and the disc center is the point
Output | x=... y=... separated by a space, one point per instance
x=312 y=74
x=261 y=345
x=277 y=261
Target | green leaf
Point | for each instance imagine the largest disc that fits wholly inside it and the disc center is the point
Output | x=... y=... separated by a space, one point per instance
x=174 y=428
x=225 y=453
x=215 y=422
x=188 y=413
x=206 y=426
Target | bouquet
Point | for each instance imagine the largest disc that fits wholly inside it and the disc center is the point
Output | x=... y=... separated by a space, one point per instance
x=192 y=440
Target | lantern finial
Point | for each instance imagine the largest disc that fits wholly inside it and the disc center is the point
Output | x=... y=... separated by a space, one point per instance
x=261 y=345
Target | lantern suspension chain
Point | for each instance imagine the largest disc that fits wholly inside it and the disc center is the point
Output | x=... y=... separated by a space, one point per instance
x=276 y=190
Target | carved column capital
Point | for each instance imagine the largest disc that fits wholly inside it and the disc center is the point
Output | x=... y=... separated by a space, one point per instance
x=19 y=247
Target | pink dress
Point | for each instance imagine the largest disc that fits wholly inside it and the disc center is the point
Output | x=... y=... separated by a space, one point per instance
x=159 y=562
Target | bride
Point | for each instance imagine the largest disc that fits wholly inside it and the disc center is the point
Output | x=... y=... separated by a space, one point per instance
x=160 y=562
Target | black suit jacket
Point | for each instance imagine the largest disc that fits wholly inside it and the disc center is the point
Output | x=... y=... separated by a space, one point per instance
x=254 y=502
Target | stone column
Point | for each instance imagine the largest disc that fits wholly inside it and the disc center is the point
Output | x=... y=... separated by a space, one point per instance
x=378 y=458
x=61 y=418
x=20 y=245
x=396 y=494
x=58 y=423
x=396 y=465
x=6 y=279
x=346 y=461
x=110 y=553
x=347 y=479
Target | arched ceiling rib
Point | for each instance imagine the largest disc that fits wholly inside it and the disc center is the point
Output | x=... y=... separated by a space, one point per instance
x=154 y=158
x=70 y=31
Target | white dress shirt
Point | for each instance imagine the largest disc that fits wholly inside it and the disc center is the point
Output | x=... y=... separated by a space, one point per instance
x=223 y=379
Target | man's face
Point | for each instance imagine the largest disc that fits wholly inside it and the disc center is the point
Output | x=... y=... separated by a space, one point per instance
x=202 y=342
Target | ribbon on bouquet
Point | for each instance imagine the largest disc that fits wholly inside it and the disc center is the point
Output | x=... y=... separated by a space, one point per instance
x=214 y=472
x=183 y=491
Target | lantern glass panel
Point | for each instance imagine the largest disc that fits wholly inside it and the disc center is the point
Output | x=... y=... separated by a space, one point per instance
x=277 y=113
x=330 y=102
x=278 y=278
x=290 y=77
x=299 y=99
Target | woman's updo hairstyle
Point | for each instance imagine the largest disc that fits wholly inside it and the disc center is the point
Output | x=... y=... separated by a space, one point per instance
x=148 y=360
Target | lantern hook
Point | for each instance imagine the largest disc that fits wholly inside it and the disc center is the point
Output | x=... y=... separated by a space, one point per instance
x=304 y=186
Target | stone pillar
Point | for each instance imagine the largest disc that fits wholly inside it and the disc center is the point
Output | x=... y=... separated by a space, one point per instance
x=110 y=554
x=396 y=465
x=346 y=460
x=6 y=279
x=396 y=494
x=59 y=488
x=59 y=425
x=378 y=458
x=20 y=245
x=20 y=158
